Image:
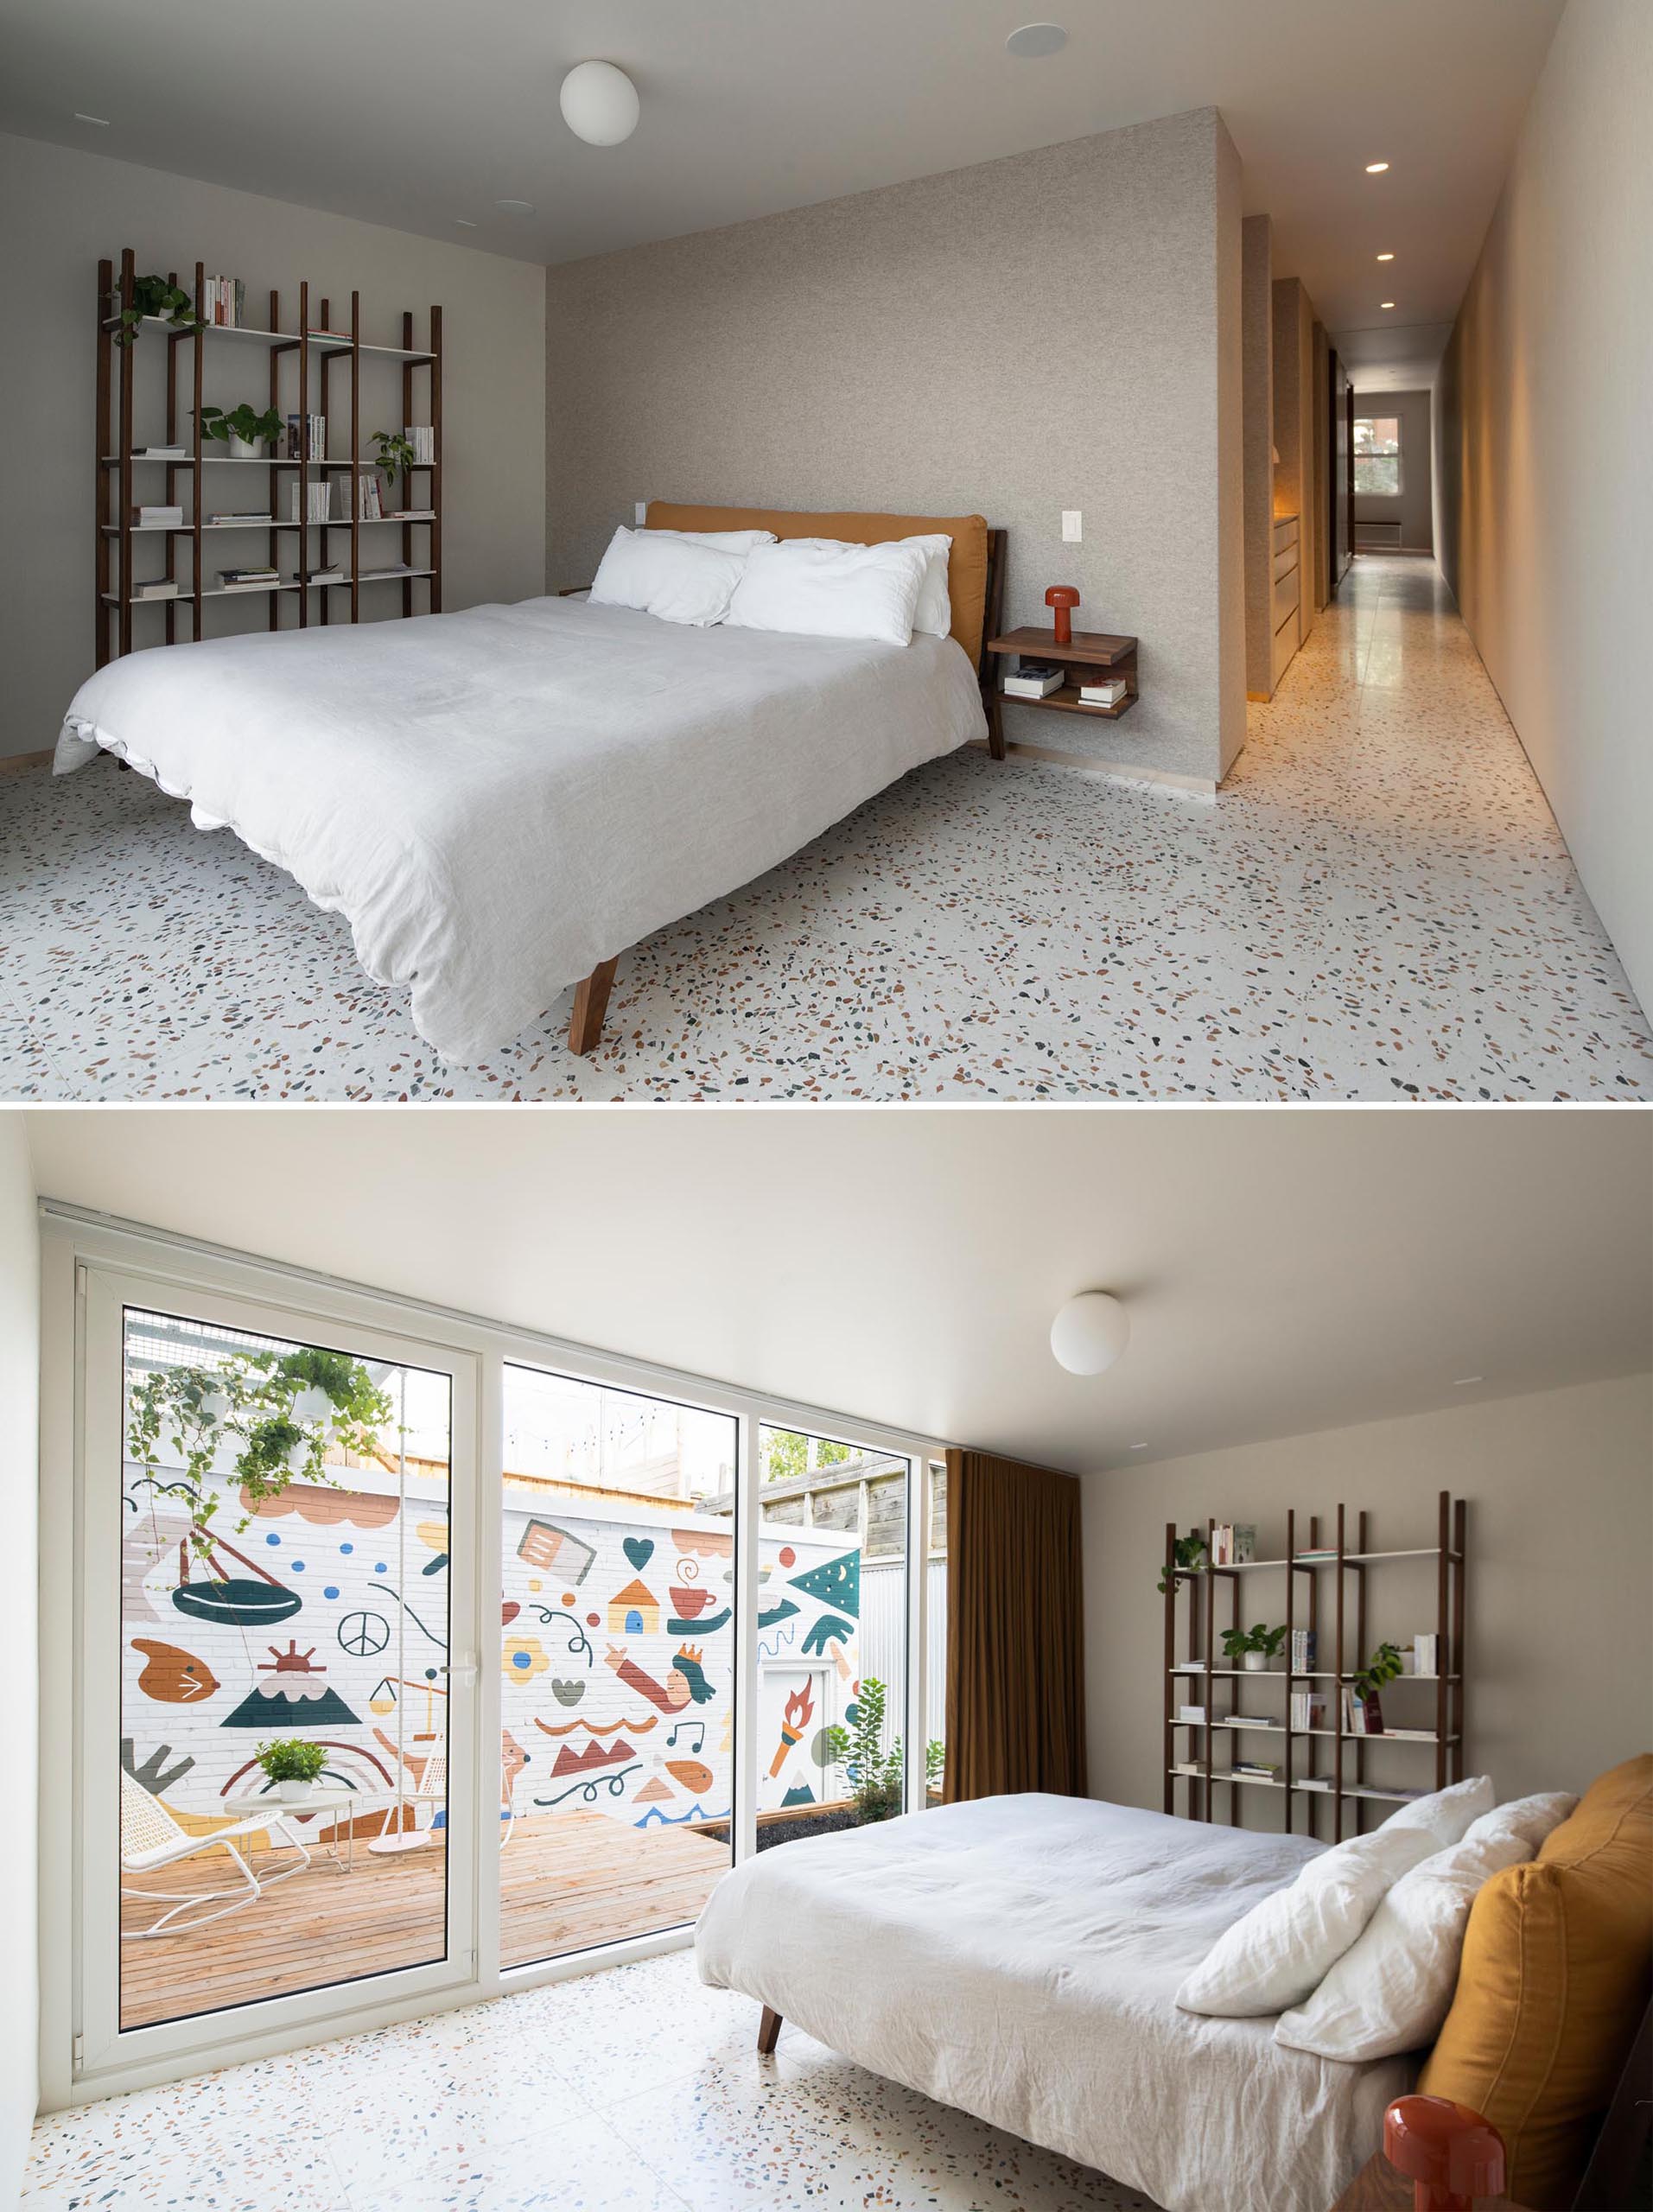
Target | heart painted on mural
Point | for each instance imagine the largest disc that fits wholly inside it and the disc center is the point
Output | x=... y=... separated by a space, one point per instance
x=567 y=1692
x=508 y=1612
x=639 y=1550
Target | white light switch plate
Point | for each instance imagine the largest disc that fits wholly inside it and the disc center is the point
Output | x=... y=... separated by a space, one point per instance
x=1073 y=526
x=641 y=513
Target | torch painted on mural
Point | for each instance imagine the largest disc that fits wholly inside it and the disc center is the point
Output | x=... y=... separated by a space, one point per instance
x=800 y=1708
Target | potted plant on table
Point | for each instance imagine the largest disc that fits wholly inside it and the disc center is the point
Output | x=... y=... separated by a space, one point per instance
x=1256 y=1649
x=246 y=428
x=292 y=1766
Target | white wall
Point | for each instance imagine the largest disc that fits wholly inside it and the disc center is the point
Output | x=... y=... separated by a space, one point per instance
x=19 y=1480
x=61 y=211
x=1559 y=1632
x=1544 y=502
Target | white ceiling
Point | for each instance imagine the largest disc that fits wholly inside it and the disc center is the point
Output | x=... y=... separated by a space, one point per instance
x=1286 y=1272
x=415 y=112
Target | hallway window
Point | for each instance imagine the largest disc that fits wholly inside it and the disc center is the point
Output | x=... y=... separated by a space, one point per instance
x=1377 y=453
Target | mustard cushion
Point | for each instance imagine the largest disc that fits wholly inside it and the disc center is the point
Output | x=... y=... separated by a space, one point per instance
x=966 y=560
x=1558 y=1958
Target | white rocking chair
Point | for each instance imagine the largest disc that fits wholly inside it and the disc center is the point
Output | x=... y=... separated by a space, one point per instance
x=149 y=1837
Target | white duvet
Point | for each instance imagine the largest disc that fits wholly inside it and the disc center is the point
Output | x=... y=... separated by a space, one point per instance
x=1018 y=1957
x=499 y=799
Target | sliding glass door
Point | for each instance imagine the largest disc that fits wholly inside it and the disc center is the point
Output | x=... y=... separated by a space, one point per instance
x=618 y=1602
x=273 y=1715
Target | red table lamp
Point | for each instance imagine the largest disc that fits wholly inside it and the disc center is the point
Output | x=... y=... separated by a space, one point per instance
x=1450 y=2154
x=1063 y=599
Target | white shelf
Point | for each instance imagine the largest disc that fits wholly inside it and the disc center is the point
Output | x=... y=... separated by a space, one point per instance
x=1302 y=1788
x=1317 y=1559
x=259 y=591
x=329 y=344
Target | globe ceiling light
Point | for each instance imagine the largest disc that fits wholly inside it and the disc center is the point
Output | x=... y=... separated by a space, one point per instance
x=1091 y=1333
x=599 y=103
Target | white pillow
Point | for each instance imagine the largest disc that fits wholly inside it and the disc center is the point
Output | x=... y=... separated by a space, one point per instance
x=815 y=587
x=933 y=614
x=667 y=576
x=721 y=541
x=1279 y=1953
x=1393 y=1987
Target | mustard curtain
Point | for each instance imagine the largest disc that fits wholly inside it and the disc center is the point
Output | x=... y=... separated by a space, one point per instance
x=1015 y=1630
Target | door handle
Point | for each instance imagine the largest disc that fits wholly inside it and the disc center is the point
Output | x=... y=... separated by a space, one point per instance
x=461 y=1671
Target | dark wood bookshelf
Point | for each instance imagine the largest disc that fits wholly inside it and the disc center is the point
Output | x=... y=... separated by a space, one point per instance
x=1335 y=1775
x=309 y=382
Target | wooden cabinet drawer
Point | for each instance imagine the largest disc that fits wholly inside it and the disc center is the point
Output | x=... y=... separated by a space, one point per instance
x=1285 y=533
x=1285 y=595
x=1285 y=562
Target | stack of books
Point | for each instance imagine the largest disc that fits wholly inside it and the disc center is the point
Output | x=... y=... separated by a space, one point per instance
x=369 y=506
x=160 y=517
x=1103 y=691
x=319 y=507
x=1257 y=1770
x=311 y=443
x=395 y=569
x=1361 y=1716
x=248 y=579
x=421 y=437
x=160 y=453
x=333 y=574
x=1308 y=1709
x=1233 y=1543
x=1034 y=679
x=227 y=517
x=1426 y=1654
x=411 y=514
x=1305 y=1645
x=159 y=587
x=224 y=301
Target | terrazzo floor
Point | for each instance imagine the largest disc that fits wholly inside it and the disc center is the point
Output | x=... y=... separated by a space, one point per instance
x=1377 y=906
x=633 y=2090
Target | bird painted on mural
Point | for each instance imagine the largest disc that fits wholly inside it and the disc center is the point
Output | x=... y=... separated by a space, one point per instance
x=172 y=1675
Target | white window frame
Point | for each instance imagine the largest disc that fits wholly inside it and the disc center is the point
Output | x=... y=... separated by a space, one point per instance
x=80 y=2060
x=1398 y=457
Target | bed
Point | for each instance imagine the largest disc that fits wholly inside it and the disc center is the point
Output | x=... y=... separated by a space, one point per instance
x=500 y=801
x=1017 y=1957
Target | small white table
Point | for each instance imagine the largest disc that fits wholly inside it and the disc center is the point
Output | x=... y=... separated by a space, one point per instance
x=251 y=1804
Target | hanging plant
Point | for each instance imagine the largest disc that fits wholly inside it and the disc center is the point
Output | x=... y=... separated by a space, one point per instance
x=1188 y=1552
x=154 y=295
x=250 y=1402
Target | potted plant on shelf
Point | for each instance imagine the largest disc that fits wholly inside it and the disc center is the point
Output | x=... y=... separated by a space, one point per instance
x=1254 y=1648
x=1383 y=1667
x=154 y=295
x=292 y=1764
x=1189 y=1552
x=395 y=454
x=246 y=428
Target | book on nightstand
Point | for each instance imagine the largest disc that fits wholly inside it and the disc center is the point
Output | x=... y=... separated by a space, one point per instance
x=1033 y=679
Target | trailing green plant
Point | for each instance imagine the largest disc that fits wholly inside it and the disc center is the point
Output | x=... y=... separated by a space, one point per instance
x=249 y=1404
x=1383 y=1667
x=290 y=1758
x=156 y=295
x=244 y=421
x=1188 y=1552
x=875 y=1774
x=395 y=455
x=1237 y=1641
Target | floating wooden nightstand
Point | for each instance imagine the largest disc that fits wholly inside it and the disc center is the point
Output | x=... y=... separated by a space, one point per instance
x=1088 y=649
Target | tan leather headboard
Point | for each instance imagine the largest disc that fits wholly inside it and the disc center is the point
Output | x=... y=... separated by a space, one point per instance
x=966 y=564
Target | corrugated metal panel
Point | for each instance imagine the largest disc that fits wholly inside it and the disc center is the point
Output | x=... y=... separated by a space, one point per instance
x=883 y=1635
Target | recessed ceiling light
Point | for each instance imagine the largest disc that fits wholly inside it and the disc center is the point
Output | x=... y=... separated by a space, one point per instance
x=515 y=206
x=1034 y=41
x=1386 y=257
x=1386 y=303
x=463 y=223
x=1375 y=168
x=102 y=121
x=1463 y=1382
x=1143 y=1446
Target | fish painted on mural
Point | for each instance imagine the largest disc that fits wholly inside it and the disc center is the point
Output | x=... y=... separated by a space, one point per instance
x=694 y=1775
x=172 y=1675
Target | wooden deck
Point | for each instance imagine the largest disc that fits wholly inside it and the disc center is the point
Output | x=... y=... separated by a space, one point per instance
x=568 y=1880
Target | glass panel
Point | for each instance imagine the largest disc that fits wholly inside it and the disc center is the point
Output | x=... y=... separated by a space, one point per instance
x=618 y=1710
x=284 y=1633
x=1377 y=453
x=832 y=1633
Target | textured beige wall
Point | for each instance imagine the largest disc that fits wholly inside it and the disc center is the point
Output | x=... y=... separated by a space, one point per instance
x=19 y=1485
x=1020 y=337
x=60 y=212
x=1257 y=321
x=1559 y=1632
x=1413 y=509
x=1544 y=460
x=1296 y=487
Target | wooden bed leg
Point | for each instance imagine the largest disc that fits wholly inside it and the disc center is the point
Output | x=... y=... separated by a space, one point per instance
x=995 y=726
x=590 y=1004
x=768 y=2033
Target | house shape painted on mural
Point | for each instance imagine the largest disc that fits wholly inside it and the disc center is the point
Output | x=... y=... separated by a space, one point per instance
x=635 y=1611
